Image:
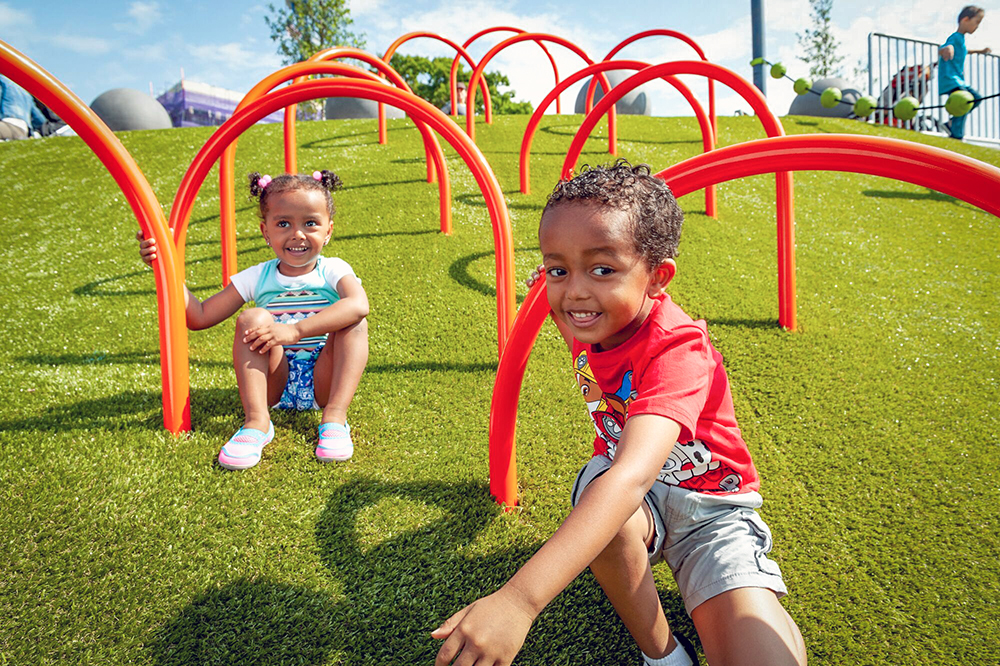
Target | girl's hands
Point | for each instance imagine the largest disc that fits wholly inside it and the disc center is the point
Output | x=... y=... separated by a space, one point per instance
x=263 y=338
x=535 y=274
x=488 y=631
x=147 y=248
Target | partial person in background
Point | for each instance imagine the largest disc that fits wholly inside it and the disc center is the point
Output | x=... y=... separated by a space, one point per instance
x=19 y=117
x=462 y=92
x=951 y=66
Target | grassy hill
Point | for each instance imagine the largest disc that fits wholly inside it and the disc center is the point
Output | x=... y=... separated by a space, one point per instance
x=875 y=427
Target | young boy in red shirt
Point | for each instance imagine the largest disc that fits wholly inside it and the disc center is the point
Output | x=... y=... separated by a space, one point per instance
x=671 y=477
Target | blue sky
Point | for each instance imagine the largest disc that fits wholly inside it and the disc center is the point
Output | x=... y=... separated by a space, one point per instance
x=96 y=46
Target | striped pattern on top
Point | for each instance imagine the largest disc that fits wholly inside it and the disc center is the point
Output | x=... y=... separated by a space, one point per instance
x=295 y=305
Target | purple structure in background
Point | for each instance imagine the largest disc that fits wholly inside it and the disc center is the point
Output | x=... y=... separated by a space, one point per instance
x=192 y=104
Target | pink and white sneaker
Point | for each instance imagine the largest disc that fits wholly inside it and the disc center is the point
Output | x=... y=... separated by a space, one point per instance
x=334 y=442
x=243 y=449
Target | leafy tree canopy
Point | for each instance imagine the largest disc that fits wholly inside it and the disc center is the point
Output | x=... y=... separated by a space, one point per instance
x=428 y=78
x=304 y=27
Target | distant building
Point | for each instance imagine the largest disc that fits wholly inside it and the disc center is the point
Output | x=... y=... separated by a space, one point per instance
x=193 y=104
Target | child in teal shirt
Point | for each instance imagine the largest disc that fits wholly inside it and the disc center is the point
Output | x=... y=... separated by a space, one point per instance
x=951 y=67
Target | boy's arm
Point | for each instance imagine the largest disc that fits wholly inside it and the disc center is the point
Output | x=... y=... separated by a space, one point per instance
x=947 y=52
x=349 y=310
x=985 y=50
x=492 y=629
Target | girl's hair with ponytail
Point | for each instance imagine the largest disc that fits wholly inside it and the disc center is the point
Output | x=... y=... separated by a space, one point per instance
x=263 y=187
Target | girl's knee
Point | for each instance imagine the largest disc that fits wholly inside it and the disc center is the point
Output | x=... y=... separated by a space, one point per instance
x=253 y=317
x=359 y=329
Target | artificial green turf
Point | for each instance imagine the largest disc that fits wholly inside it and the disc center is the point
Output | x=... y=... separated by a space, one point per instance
x=875 y=427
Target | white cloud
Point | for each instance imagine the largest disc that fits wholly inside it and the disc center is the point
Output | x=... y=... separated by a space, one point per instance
x=234 y=56
x=81 y=44
x=143 y=15
x=363 y=7
x=11 y=18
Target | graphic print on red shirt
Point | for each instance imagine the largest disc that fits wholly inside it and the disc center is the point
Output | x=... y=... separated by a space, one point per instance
x=669 y=368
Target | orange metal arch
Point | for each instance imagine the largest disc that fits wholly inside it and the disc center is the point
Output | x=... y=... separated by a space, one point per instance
x=707 y=135
x=420 y=110
x=336 y=53
x=470 y=119
x=677 y=35
x=298 y=72
x=167 y=270
x=461 y=52
x=772 y=126
x=942 y=170
x=453 y=76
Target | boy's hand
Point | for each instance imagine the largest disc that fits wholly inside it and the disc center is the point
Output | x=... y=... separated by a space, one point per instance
x=488 y=631
x=147 y=248
x=535 y=274
x=263 y=338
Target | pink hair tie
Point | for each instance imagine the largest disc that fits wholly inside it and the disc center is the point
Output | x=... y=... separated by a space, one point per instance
x=263 y=181
x=317 y=175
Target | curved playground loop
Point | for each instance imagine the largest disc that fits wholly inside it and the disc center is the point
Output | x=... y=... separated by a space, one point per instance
x=784 y=188
x=704 y=122
x=460 y=52
x=941 y=170
x=168 y=268
x=658 y=32
x=453 y=75
x=477 y=74
x=944 y=171
x=298 y=72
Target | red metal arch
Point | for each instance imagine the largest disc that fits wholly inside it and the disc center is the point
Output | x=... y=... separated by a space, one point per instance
x=420 y=110
x=167 y=270
x=298 y=72
x=666 y=33
x=707 y=135
x=460 y=52
x=470 y=120
x=500 y=28
x=337 y=52
x=772 y=126
x=942 y=170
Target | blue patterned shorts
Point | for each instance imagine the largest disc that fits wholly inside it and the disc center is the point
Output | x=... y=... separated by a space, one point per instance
x=300 y=394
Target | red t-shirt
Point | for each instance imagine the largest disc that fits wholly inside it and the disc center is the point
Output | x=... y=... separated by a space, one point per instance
x=669 y=368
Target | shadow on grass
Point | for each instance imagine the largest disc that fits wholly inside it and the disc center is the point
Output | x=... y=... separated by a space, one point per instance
x=95 y=288
x=331 y=141
x=429 y=366
x=100 y=357
x=929 y=195
x=389 y=183
x=478 y=201
x=250 y=622
x=744 y=323
x=459 y=272
x=134 y=410
x=407 y=555
x=555 y=130
x=386 y=234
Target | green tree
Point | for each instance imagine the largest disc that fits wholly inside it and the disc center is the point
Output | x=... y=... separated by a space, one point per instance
x=304 y=27
x=428 y=78
x=818 y=42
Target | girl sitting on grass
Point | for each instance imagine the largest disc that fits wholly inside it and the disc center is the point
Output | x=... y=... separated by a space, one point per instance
x=305 y=344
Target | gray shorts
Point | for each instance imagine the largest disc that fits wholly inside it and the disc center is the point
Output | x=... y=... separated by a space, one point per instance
x=712 y=543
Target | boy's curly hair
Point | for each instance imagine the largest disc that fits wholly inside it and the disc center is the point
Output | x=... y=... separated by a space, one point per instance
x=327 y=183
x=654 y=217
